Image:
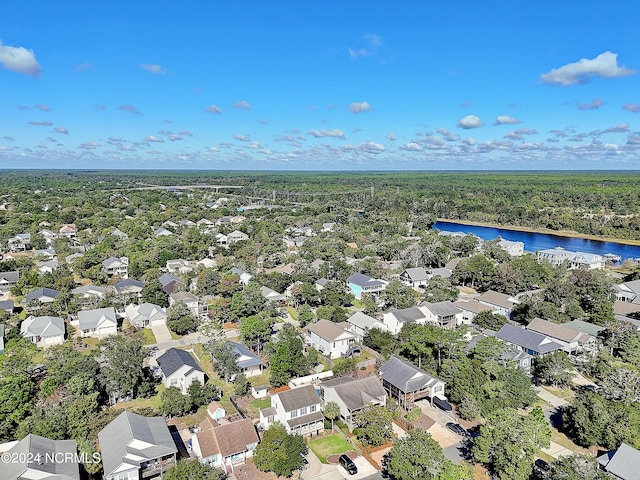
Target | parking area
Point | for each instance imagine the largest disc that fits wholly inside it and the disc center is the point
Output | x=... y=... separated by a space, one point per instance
x=365 y=469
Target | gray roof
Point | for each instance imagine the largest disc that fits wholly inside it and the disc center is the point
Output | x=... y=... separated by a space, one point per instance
x=526 y=339
x=111 y=261
x=416 y=274
x=9 y=277
x=7 y=305
x=117 y=441
x=299 y=397
x=441 y=272
x=496 y=298
x=406 y=377
x=557 y=331
x=407 y=315
x=42 y=327
x=363 y=280
x=127 y=284
x=89 y=319
x=174 y=359
x=305 y=419
x=41 y=292
x=355 y=393
x=183 y=297
x=90 y=290
x=623 y=462
x=167 y=278
x=46 y=451
x=442 y=309
x=362 y=320
x=250 y=360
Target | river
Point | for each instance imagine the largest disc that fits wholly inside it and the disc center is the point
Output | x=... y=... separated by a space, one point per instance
x=539 y=241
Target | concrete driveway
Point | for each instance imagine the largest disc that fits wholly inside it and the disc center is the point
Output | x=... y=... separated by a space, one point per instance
x=318 y=470
x=162 y=333
x=365 y=469
x=551 y=399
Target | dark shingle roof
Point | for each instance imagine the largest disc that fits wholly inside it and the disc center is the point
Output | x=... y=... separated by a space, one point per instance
x=299 y=397
x=363 y=280
x=41 y=292
x=406 y=377
x=39 y=454
x=356 y=393
x=443 y=309
x=174 y=359
x=526 y=339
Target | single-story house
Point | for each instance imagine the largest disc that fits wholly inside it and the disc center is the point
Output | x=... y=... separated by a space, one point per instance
x=353 y=394
x=250 y=364
x=179 y=369
x=8 y=280
x=571 y=340
x=42 y=295
x=43 y=331
x=145 y=315
x=531 y=342
x=129 y=288
x=271 y=295
x=98 y=322
x=621 y=463
x=179 y=265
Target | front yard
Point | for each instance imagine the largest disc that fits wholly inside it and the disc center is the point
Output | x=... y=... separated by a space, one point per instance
x=334 y=444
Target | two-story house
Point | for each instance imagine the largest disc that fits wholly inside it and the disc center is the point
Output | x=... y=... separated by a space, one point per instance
x=40 y=458
x=498 y=302
x=414 y=277
x=353 y=394
x=572 y=340
x=360 y=284
x=114 y=266
x=134 y=447
x=191 y=301
x=179 y=369
x=297 y=409
x=329 y=338
x=408 y=383
x=225 y=445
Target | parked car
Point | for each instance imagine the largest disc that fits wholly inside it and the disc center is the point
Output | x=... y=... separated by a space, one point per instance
x=348 y=464
x=457 y=429
x=540 y=469
x=536 y=381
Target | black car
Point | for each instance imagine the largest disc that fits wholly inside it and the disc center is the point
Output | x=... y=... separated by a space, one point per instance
x=348 y=464
x=541 y=465
x=457 y=429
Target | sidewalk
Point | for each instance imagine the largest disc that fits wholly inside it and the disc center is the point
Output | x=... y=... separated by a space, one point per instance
x=551 y=399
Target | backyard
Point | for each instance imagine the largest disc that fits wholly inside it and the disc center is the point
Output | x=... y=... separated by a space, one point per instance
x=334 y=444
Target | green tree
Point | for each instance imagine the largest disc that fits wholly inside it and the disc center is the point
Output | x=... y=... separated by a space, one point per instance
x=419 y=457
x=223 y=358
x=554 y=369
x=490 y=320
x=398 y=295
x=152 y=293
x=331 y=411
x=279 y=452
x=476 y=272
x=180 y=319
x=287 y=359
x=195 y=391
x=255 y=332
x=123 y=371
x=192 y=469
x=241 y=385
x=440 y=290
x=576 y=467
x=174 y=403
x=16 y=403
x=373 y=425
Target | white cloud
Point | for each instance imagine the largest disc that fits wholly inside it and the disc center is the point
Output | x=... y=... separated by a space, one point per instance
x=372 y=147
x=359 y=107
x=604 y=65
x=632 y=107
x=390 y=136
x=62 y=130
x=242 y=138
x=622 y=128
x=242 y=105
x=411 y=147
x=373 y=39
x=19 y=59
x=153 y=138
x=596 y=104
x=335 y=133
x=448 y=136
x=46 y=123
x=155 y=69
x=506 y=120
x=214 y=109
x=44 y=108
x=470 y=121
x=470 y=142
x=90 y=145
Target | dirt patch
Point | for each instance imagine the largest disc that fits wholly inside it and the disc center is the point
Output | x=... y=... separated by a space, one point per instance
x=333 y=459
x=248 y=471
x=424 y=422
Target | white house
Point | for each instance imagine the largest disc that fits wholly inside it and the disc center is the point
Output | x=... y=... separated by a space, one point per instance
x=249 y=363
x=43 y=331
x=360 y=323
x=98 y=323
x=190 y=300
x=330 y=339
x=297 y=409
x=414 y=277
x=145 y=315
x=245 y=277
x=237 y=236
x=36 y=457
x=572 y=340
x=443 y=314
x=179 y=369
x=225 y=445
x=515 y=249
x=353 y=394
x=498 y=302
x=179 y=265
x=114 y=266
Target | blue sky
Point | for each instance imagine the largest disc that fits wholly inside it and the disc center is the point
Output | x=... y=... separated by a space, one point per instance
x=320 y=85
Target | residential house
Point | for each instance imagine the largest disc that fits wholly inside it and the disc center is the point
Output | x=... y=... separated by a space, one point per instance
x=207 y=263
x=286 y=269
x=98 y=322
x=48 y=235
x=621 y=463
x=519 y=359
x=499 y=302
x=237 y=236
x=8 y=280
x=41 y=295
x=129 y=289
x=169 y=282
x=320 y=284
x=330 y=339
x=515 y=249
x=414 y=277
x=43 y=331
x=90 y=294
x=7 y=305
x=360 y=284
x=360 y=323
x=47 y=266
x=443 y=314
x=297 y=409
x=571 y=340
x=120 y=234
x=271 y=296
x=186 y=223
x=440 y=272
x=245 y=277
x=328 y=227
x=146 y=315
x=353 y=394
x=191 y=301
x=20 y=243
x=558 y=255
x=170 y=224
x=179 y=265
x=162 y=232
x=531 y=342
x=45 y=254
x=179 y=369
x=628 y=292
x=227 y=445
x=114 y=266
x=408 y=383
x=249 y=363
x=68 y=231
x=40 y=458
x=554 y=256
x=470 y=308
x=134 y=447
x=585 y=327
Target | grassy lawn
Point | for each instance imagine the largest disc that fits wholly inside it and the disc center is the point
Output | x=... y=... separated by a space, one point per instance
x=357 y=303
x=38 y=357
x=562 y=439
x=151 y=402
x=331 y=445
x=258 y=404
x=292 y=311
x=564 y=393
x=148 y=337
x=262 y=379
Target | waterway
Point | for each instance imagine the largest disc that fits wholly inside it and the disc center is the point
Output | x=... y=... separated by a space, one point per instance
x=539 y=241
